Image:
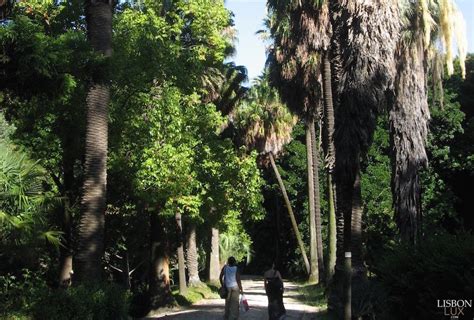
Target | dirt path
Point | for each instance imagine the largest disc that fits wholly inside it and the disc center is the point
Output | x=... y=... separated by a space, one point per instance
x=213 y=309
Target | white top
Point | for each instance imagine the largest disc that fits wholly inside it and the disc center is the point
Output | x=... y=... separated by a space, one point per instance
x=230 y=279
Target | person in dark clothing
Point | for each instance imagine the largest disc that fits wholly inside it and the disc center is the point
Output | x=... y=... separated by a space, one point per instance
x=274 y=290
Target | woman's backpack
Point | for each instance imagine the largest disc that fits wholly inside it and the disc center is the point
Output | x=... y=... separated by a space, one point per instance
x=274 y=285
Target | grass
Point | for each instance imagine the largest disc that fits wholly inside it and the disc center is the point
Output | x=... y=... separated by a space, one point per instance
x=313 y=295
x=195 y=294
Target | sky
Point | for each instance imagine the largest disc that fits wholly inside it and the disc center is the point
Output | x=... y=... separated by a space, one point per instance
x=249 y=16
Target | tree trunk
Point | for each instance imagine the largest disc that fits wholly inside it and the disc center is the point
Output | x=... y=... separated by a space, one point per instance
x=278 y=229
x=159 y=280
x=66 y=251
x=408 y=120
x=331 y=258
x=317 y=200
x=214 y=262
x=291 y=214
x=127 y=274
x=328 y=144
x=91 y=226
x=344 y=193
x=65 y=267
x=192 y=258
x=180 y=253
x=358 y=267
x=313 y=249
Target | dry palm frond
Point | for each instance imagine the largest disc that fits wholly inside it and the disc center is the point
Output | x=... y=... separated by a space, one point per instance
x=427 y=21
x=446 y=24
x=461 y=40
x=452 y=25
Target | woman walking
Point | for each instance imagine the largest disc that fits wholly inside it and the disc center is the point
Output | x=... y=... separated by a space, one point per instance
x=230 y=278
x=274 y=290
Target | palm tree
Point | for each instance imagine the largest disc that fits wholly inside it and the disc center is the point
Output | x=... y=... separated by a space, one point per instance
x=180 y=254
x=23 y=202
x=300 y=30
x=214 y=257
x=329 y=151
x=267 y=127
x=223 y=86
x=409 y=114
x=363 y=77
x=91 y=226
x=192 y=257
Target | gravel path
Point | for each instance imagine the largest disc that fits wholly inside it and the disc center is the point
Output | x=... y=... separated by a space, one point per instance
x=213 y=309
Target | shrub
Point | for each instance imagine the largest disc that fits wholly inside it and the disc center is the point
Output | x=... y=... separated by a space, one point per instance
x=94 y=301
x=18 y=291
x=414 y=278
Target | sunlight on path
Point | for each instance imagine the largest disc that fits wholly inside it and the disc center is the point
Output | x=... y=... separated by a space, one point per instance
x=213 y=309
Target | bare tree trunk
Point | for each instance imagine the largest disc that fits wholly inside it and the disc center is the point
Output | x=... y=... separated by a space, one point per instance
x=317 y=201
x=65 y=263
x=91 y=226
x=65 y=268
x=328 y=144
x=313 y=249
x=344 y=189
x=278 y=228
x=291 y=214
x=214 y=263
x=66 y=249
x=127 y=273
x=358 y=267
x=192 y=258
x=331 y=258
x=159 y=281
x=180 y=253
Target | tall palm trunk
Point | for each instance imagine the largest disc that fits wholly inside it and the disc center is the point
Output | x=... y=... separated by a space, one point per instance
x=65 y=263
x=192 y=257
x=159 y=280
x=358 y=267
x=408 y=119
x=180 y=253
x=313 y=248
x=214 y=261
x=290 y=213
x=328 y=144
x=91 y=227
x=317 y=200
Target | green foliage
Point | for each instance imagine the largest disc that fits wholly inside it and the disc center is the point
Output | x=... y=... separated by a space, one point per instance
x=235 y=244
x=18 y=292
x=414 y=278
x=92 y=301
x=439 y=200
x=6 y=129
x=379 y=226
x=23 y=201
